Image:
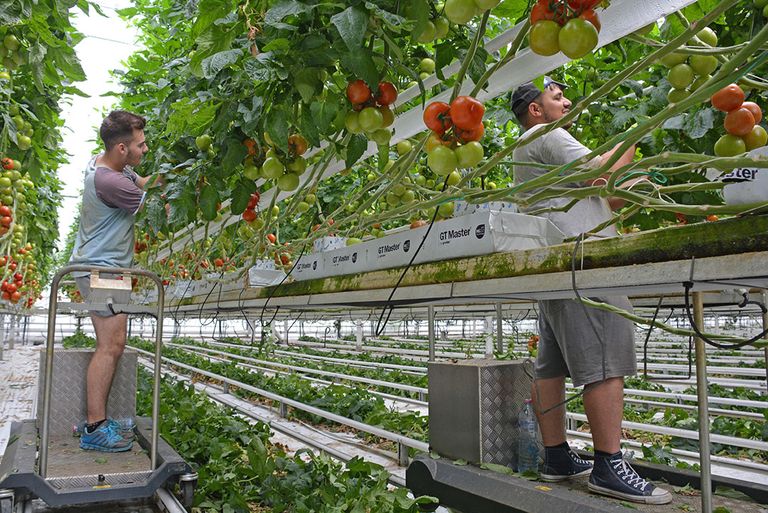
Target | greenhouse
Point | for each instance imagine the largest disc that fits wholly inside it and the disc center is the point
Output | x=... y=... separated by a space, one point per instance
x=364 y=256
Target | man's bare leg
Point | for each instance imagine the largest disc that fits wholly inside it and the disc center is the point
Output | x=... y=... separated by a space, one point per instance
x=111 y=333
x=604 y=405
x=547 y=393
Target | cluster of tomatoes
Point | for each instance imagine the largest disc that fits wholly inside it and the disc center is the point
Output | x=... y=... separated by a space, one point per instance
x=249 y=214
x=456 y=130
x=284 y=168
x=371 y=113
x=11 y=290
x=741 y=122
x=6 y=218
x=568 y=26
x=688 y=73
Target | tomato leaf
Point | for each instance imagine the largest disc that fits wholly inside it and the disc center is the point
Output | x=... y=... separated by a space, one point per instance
x=323 y=114
x=360 y=63
x=307 y=83
x=355 y=149
x=351 y=23
x=241 y=194
x=277 y=127
x=698 y=124
x=281 y=10
x=209 y=200
x=215 y=63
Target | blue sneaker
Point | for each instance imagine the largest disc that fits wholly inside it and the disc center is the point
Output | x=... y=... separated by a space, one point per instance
x=124 y=426
x=106 y=438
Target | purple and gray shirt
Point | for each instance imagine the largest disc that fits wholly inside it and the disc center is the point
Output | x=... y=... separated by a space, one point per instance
x=110 y=202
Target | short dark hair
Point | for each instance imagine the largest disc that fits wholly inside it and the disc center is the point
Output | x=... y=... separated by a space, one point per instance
x=118 y=127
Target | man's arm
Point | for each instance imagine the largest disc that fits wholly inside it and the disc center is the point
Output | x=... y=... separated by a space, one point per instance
x=142 y=181
x=625 y=159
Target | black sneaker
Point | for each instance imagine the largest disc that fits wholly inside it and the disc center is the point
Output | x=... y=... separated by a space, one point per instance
x=561 y=464
x=615 y=477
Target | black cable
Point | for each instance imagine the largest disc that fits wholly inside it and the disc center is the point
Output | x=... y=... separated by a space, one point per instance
x=688 y=285
x=273 y=290
x=379 y=326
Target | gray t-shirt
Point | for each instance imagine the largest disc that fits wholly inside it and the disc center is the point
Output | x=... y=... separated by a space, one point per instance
x=558 y=147
x=110 y=202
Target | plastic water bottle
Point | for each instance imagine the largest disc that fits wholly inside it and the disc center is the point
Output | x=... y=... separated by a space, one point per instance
x=528 y=444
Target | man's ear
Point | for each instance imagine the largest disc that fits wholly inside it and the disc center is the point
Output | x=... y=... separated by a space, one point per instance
x=534 y=110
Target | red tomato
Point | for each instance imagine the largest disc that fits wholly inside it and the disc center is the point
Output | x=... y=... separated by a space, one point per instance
x=466 y=112
x=437 y=118
x=387 y=94
x=728 y=98
x=358 y=92
x=737 y=122
x=249 y=215
x=591 y=16
x=271 y=238
x=754 y=108
x=474 y=134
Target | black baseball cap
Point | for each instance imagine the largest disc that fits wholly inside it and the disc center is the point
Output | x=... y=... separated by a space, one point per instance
x=528 y=92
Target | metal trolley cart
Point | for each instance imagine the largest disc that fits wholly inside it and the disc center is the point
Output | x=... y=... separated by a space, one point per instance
x=90 y=480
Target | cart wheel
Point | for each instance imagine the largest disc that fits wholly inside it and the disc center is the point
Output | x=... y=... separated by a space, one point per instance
x=187 y=493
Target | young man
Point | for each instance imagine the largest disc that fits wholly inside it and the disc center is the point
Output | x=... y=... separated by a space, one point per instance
x=112 y=194
x=594 y=347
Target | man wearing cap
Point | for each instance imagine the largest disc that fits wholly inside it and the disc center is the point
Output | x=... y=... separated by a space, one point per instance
x=594 y=347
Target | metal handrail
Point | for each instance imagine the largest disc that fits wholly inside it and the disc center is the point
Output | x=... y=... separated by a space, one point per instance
x=48 y=368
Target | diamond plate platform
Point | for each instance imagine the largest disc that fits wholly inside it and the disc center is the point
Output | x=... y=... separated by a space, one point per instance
x=68 y=390
x=473 y=409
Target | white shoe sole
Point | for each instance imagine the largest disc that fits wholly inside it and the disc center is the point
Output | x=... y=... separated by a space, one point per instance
x=556 y=478
x=664 y=498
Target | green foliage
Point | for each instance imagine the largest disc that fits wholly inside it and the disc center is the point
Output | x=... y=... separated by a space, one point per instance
x=79 y=340
x=240 y=469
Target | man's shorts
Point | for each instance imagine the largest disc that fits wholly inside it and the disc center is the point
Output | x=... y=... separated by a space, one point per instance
x=569 y=345
x=102 y=296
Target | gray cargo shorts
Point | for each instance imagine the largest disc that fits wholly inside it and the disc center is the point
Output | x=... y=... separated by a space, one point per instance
x=570 y=346
x=101 y=296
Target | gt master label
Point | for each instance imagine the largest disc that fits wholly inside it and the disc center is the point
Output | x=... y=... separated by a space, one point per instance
x=457 y=234
x=385 y=249
x=741 y=174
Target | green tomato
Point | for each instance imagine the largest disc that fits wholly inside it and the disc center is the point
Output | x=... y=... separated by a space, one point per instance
x=673 y=59
x=442 y=160
x=370 y=119
x=370 y=177
x=351 y=241
x=490 y=185
x=544 y=37
x=760 y=3
x=460 y=11
x=730 y=146
x=11 y=42
x=427 y=35
x=5 y=183
x=577 y=38
x=681 y=76
x=677 y=95
x=706 y=35
x=275 y=211
x=203 y=142
x=393 y=199
x=424 y=75
x=252 y=172
x=469 y=155
x=420 y=180
x=4 y=75
x=399 y=189
x=310 y=198
x=297 y=165
x=18 y=121
x=13 y=109
x=404 y=147
x=454 y=178
x=445 y=210
x=699 y=82
x=765 y=11
x=442 y=25
x=302 y=206
x=288 y=182
x=352 y=122
x=703 y=64
x=24 y=142
x=381 y=136
x=272 y=169
x=408 y=197
x=757 y=138
x=430 y=184
x=427 y=65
